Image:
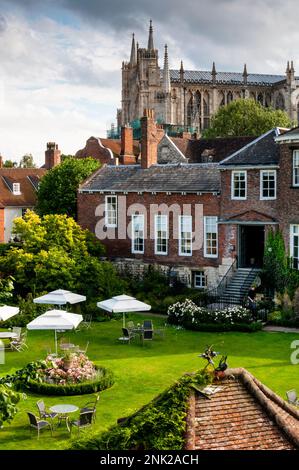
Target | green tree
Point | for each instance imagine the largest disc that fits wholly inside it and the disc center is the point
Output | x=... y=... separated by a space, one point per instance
x=9 y=164
x=275 y=268
x=57 y=192
x=27 y=161
x=55 y=252
x=245 y=117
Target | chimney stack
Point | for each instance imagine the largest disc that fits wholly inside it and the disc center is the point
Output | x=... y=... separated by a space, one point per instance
x=149 y=139
x=127 y=156
x=1 y=161
x=52 y=155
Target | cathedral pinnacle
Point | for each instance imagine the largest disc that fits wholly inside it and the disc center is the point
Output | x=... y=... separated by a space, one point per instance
x=214 y=73
x=150 y=45
x=133 y=52
x=166 y=74
x=245 y=74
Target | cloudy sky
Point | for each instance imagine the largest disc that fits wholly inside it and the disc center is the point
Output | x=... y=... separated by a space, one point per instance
x=60 y=59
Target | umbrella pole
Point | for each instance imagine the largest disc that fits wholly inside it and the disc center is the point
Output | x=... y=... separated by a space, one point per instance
x=124 y=320
x=55 y=336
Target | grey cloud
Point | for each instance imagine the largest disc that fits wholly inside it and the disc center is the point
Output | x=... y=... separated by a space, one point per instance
x=3 y=23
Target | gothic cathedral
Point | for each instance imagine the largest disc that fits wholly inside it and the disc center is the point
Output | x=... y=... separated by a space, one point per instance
x=188 y=99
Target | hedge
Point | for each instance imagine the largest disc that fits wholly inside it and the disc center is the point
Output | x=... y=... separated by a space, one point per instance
x=105 y=381
x=218 y=327
x=159 y=425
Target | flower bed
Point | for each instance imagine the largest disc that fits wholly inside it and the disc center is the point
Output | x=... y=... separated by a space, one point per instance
x=191 y=316
x=72 y=374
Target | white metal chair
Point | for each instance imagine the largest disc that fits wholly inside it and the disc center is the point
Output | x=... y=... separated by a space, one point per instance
x=292 y=397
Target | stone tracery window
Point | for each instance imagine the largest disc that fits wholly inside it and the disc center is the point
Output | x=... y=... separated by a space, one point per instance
x=229 y=97
x=279 y=102
x=260 y=99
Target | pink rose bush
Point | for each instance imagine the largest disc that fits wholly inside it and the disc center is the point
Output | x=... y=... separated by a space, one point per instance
x=69 y=370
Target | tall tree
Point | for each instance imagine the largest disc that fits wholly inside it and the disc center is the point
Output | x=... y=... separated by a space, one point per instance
x=27 y=161
x=9 y=164
x=57 y=192
x=244 y=117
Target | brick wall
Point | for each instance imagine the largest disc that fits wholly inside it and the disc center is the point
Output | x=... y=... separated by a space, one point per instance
x=87 y=204
x=1 y=225
x=288 y=207
x=246 y=208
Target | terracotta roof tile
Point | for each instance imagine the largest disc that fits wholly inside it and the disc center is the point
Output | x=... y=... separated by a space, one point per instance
x=28 y=179
x=243 y=415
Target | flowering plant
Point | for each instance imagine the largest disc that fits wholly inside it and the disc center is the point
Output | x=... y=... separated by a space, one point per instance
x=188 y=312
x=74 y=368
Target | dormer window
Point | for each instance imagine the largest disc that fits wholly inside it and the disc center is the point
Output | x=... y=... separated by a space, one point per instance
x=16 y=189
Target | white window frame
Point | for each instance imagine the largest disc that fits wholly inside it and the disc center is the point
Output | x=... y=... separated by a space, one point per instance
x=238 y=198
x=164 y=218
x=202 y=276
x=295 y=157
x=292 y=234
x=181 y=221
x=206 y=254
x=267 y=198
x=16 y=189
x=108 y=211
x=134 y=217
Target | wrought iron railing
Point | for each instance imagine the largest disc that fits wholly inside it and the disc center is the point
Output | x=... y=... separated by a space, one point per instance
x=217 y=291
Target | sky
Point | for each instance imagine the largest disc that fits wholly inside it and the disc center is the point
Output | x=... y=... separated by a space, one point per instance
x=60 y=60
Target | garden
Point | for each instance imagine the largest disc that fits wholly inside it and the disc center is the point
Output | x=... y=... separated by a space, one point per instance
x=141 y=373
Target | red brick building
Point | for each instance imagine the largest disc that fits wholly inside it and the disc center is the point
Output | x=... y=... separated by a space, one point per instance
x=196 y=218
x=18 y=187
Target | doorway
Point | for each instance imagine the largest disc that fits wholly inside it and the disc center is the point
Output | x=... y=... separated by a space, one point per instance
x=251 y=246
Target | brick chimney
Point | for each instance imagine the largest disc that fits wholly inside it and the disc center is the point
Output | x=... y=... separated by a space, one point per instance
x=127 y=156
x=52 y=155
x=149 y=139
x=1 y=161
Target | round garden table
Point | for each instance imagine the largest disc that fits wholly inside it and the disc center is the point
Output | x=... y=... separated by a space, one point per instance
x=63 y=412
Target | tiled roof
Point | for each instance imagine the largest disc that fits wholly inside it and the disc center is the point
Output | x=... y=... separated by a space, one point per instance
x=234 y=78
x=219 y=148
x=175 y=178
x=27 y=177
x=243 y=414
x=104 y=149
x=262 y=151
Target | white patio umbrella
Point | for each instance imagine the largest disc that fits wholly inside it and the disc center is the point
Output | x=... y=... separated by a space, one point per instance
x=123 y=304
x=7 y=312
x=55 y=320
x=60 y=297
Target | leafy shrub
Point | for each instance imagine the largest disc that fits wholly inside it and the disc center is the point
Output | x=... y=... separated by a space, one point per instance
x=188 y=314
x=104 y=380
x=31 y=378
x=160 y=425
x=9 y=398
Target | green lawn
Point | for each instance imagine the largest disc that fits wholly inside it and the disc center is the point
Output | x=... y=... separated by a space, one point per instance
x=141 y=372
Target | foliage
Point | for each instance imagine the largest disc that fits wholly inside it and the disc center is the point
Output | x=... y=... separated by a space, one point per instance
x=28 y=311
x=57 y=192
x=103 y=380
x=6 y=289
x=55 y=251
x=245 y=117
x=275 y=265
x=27 y=161
x=21 y=378
x=160 y=425
x=154 y=288
x=187 y=313
x=9 y=399
x=9 y=164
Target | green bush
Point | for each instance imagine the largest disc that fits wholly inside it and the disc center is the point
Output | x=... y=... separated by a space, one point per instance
x=218 y=327
x=106 y=380
x=160 y=425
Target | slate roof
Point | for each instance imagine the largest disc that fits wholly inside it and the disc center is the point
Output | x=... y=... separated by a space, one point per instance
x=243 y=414
x=28 y=179
x=161 y=178
x=219 y=148
x=261 y=151
x=234 y=78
